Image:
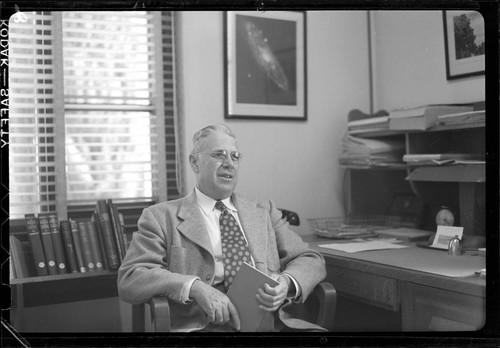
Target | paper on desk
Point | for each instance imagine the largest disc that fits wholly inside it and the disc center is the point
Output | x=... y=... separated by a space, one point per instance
x=355 y=247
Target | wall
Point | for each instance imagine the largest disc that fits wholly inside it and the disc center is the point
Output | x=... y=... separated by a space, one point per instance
x=410 y=64
x=293 y=163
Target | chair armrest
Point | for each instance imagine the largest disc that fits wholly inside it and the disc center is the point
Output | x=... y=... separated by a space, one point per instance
x=160 y=313
x=326 y=295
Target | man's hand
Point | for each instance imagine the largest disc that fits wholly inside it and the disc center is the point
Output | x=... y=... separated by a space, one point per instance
x=216 y=305
x=272 y=297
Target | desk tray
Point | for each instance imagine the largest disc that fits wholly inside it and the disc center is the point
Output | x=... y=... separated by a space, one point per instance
x=351 y=227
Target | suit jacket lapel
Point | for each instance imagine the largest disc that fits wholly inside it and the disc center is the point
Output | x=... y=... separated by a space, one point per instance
x=252 y=218
x=192 y=225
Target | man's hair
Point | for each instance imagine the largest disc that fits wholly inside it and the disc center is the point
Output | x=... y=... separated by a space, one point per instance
x=205 y=132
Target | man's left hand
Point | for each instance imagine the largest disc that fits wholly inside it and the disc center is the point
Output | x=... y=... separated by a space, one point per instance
x=271 y=298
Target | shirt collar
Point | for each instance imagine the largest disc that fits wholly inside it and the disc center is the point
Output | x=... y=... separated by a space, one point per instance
x=207 y=204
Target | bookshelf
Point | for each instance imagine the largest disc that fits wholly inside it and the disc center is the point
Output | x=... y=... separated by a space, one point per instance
x=67 y=288
x=372 y=189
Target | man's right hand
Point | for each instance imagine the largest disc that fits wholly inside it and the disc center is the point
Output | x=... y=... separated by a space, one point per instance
x=216 y=305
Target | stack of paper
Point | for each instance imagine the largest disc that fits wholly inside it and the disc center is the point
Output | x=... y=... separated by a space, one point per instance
x=368 y=124
x=424 y=117
x=441 y=158
x=404 y=233
x=368 y=152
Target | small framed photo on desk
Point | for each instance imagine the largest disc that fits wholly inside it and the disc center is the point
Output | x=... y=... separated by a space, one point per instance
x=444 y=234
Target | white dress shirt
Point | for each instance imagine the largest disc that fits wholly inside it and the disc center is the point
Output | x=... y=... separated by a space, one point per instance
x=211 y=219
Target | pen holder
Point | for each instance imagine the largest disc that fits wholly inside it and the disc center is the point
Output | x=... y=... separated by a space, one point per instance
x=455 y=246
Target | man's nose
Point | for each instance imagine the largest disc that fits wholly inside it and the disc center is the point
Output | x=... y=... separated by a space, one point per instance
x=228 y=162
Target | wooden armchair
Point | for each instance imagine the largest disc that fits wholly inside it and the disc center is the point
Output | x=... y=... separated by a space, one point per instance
x=318 y=309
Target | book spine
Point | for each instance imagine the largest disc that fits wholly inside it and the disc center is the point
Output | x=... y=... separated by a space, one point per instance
x=57 y=243
x=36 y=244
x=94 y=244
x=125 y=240
x=78 y=246
x=87 y=248
x=97 y=228
x=117 y=230
x=12 y=269
x=16 y=257
x=48 y=247
x=107 y=234
x=69 y=246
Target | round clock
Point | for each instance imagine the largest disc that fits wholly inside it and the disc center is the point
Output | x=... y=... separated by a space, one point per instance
x=445 y=216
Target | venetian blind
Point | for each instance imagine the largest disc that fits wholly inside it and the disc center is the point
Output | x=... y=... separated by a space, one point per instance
x=32 y=170
x=111 y=130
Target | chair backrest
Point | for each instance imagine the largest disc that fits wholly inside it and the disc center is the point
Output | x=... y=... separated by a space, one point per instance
x=291 y=216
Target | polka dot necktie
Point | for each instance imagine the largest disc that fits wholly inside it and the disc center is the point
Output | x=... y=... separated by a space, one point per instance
x=234 y=245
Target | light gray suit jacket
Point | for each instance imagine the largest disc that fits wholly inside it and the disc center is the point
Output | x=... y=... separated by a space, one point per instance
x=172 y=245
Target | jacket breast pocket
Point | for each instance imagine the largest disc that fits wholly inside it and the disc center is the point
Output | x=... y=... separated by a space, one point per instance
x=177 y=259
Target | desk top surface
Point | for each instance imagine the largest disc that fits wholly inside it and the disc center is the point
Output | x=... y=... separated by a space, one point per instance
x=414 y=264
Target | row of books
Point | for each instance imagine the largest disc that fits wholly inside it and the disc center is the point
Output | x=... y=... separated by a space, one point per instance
x=418 y=118
x=71 y=246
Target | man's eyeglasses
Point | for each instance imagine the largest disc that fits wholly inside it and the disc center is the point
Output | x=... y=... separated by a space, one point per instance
x=221 y=156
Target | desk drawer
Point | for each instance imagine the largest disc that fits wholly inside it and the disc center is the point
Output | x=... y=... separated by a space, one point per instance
x=430 y=309
x=366 y=287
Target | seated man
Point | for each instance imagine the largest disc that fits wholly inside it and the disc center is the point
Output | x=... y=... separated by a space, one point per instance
x=181 y=252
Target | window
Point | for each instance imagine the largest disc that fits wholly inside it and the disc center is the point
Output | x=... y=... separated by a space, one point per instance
x=92 y=109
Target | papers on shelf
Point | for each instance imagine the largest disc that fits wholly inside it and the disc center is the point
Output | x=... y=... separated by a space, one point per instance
x=462 y=118
x=443 y=158
x=369 y=124
x=423 y=117
x=363 y=151
x=358 y=246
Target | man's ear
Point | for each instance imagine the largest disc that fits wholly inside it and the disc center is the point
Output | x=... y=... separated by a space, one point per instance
x=193 y=162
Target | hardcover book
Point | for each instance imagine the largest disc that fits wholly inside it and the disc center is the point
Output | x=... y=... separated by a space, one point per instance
x=57 y=243
x=242 y=293
x=94 y=244
x=86 y=246
x=19 y=256
x=48 y=246
x=78 y=246
x=117 y=229
x=107 y=235
x=97 y=229
x=35 y=239
x=125 y=239
x=69 y=246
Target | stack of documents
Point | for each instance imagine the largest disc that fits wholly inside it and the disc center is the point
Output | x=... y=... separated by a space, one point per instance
x=424 y=117
x=462 y=118
x=442 y=158
x=369 y=152
x=368 y=124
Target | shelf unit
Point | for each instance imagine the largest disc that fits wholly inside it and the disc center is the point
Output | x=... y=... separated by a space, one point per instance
x=371 y=190
x=70 y=287
x=56 y=289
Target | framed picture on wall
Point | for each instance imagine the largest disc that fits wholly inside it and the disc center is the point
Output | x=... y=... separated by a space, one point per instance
x=265 y=65
x=464 y=43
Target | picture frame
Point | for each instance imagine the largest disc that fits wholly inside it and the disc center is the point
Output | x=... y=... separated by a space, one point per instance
x=265 y=65
x=464 y=34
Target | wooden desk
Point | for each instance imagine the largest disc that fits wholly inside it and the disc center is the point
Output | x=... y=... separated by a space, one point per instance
x=406 y=296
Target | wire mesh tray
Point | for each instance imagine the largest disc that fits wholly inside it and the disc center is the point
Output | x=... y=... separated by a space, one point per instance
x=350 y=227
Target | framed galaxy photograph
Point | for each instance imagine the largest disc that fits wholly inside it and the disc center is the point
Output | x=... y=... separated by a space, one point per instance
x=464 y=43
x=265 y=76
